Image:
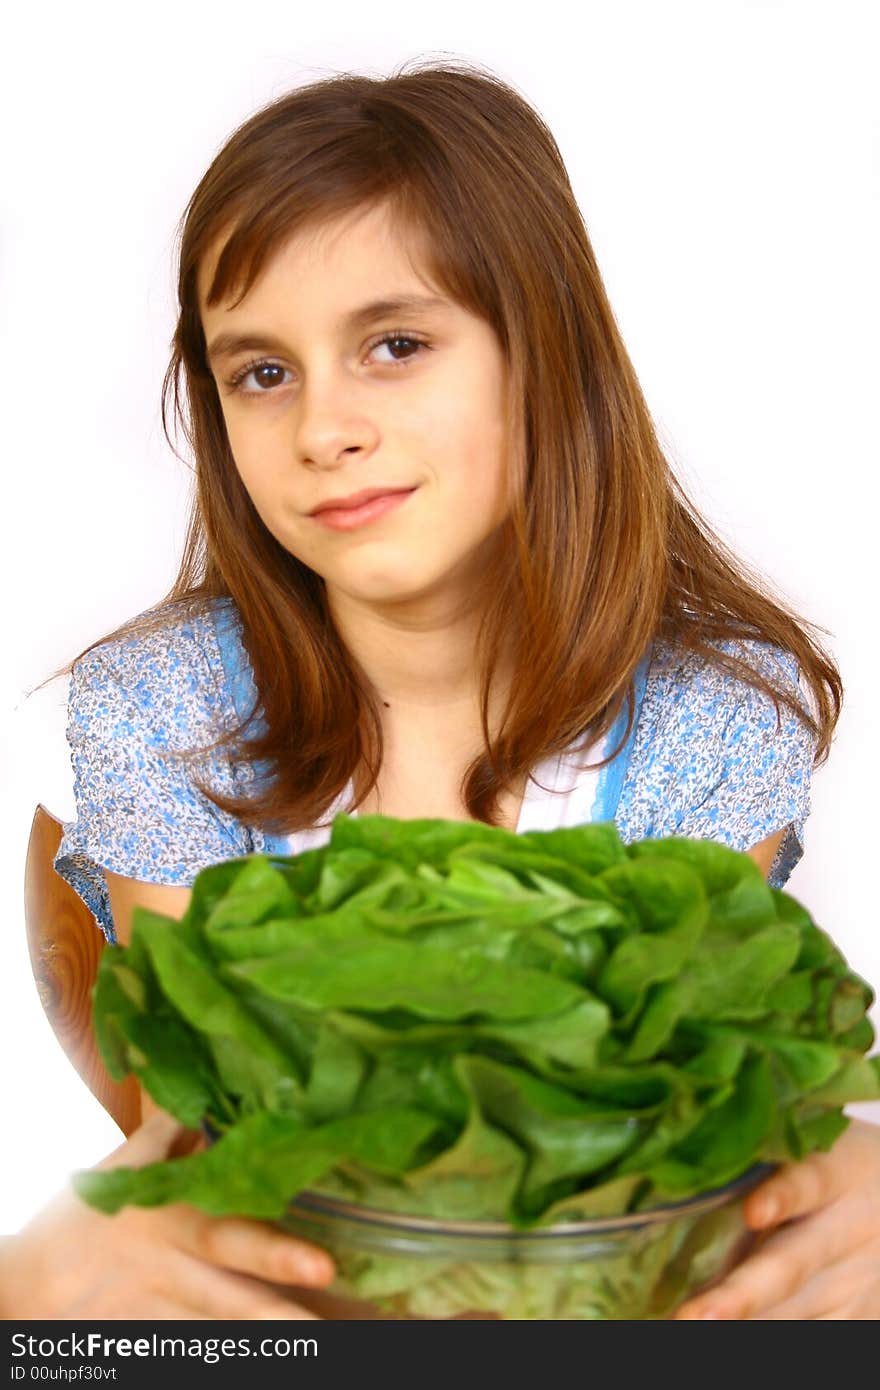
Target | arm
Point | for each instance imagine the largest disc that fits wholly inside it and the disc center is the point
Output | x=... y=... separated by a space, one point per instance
x=73 y=1262
x=133 y=706
x=730 y=768
x=763 y=853
x=140 y=816
x=127 y=893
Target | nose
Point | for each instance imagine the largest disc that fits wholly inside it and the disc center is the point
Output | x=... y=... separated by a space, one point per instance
x=332 y=422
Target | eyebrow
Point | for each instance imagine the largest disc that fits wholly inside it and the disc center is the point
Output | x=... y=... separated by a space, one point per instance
x=228 y=343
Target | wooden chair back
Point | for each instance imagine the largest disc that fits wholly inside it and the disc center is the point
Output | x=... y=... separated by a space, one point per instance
x=65 y=946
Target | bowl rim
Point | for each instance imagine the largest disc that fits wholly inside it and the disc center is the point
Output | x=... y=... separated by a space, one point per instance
x=313 y=1203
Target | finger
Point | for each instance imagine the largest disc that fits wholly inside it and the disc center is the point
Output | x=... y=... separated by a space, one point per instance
x=786 y=1260
x=219 y=1294
x=150 y=1142
x=795 y=1190
x=799 y=1188
x=839 y=1287
x=256 y=1248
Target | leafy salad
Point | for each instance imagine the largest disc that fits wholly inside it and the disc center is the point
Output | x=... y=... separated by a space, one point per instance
x=457 y=1022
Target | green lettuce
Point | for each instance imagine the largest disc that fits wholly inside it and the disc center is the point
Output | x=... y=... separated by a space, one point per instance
x=449 y=1020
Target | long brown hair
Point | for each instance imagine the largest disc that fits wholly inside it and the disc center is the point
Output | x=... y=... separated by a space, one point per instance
x=605 y=552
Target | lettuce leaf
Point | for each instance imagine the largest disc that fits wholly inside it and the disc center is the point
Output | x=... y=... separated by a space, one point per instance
x=448 y=1019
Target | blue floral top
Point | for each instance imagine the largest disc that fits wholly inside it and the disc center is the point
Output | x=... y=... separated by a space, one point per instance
x=704 y=758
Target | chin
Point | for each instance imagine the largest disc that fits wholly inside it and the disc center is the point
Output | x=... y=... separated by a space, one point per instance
x=385 y=585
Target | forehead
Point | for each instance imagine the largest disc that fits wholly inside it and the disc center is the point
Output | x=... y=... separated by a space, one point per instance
x=354 y=250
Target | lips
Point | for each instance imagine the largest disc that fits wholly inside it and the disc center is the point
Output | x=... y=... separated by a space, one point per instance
x=346 y=519
x=357 y=499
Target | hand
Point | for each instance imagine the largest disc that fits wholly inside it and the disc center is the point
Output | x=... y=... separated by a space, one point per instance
x=824 y=1261
x=72 y=1261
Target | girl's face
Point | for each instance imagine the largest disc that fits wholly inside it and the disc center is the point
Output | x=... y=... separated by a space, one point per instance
x=327 y=392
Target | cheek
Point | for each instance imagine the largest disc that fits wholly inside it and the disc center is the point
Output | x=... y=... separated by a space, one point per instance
x=257 y=462
x=481 y=466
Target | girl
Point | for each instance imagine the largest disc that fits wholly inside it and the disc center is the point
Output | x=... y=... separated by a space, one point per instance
x=438 y=565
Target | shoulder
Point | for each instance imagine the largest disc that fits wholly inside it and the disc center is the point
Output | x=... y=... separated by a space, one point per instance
x=169 y=675
x=146 y=714
x=684 y=681
x=696 y=707
x=706 y=737
x=177 y=643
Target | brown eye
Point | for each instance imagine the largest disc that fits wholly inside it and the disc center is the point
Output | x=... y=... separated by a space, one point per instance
x=401 y=346
x=267 y=376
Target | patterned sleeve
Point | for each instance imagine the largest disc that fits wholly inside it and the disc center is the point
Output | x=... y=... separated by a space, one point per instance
x=764 y=776
x=720 y=768
x=132 y=707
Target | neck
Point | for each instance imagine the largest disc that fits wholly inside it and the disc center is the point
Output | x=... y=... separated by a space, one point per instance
x=418 y=659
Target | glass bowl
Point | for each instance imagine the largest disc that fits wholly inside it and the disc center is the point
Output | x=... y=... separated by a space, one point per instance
x=638 y=1266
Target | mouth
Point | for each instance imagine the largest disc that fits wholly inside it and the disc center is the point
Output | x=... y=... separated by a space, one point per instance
x=355 y=499
x=349 y=513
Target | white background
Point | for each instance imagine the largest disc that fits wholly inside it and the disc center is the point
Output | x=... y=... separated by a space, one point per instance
x=725 y=158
